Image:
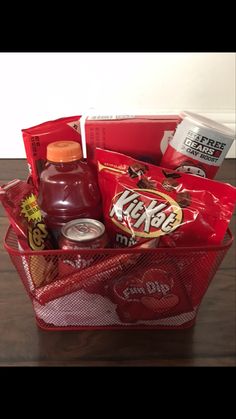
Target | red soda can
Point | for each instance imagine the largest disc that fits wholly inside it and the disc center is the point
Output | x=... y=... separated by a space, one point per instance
x=83 y=233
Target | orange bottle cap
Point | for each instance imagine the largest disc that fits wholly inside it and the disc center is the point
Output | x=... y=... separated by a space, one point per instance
x=64 y=151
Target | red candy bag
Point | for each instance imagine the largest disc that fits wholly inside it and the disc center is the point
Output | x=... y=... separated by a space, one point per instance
x=150 y=294
x=142 y=202
x=25 y=217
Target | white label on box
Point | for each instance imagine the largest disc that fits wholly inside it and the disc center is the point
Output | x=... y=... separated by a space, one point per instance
x=110 y=117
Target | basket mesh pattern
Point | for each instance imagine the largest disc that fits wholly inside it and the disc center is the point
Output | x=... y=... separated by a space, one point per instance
x=116 y=288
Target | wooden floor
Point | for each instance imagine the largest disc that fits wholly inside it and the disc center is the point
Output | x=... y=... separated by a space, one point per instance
x=211 y=342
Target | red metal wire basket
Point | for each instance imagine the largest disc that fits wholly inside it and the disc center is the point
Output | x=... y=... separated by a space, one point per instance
x=116 y=288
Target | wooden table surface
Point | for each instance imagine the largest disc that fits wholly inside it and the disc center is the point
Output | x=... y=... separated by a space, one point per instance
x=211 y=342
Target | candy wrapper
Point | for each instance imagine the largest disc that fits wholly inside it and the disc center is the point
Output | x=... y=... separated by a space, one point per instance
x=142 y=202
x=150 y=293
x=25 y=217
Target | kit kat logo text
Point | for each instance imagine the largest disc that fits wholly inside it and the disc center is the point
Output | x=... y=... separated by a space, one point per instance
x=145 y=212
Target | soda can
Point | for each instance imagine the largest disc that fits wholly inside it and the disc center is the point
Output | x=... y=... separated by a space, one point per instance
x=83 y=233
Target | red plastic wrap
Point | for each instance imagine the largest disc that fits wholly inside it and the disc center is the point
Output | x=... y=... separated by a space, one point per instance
x=142 y=202
x=23 y=212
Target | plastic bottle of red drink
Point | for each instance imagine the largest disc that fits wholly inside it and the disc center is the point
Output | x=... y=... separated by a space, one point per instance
x=68 y=187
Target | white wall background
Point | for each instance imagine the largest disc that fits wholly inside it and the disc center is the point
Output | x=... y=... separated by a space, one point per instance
x=36 y=87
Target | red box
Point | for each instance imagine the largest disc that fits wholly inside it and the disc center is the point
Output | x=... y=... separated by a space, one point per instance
x=143 y=137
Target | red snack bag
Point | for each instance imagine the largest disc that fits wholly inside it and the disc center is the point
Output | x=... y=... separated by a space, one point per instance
x=25 y=217
x=143 y=202
x=150 y=294
x=38 y=137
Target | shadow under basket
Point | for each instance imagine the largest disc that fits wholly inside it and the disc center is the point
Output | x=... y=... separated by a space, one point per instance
x=116 y=288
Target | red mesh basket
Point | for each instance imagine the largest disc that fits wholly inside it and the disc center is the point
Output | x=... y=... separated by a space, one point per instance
x=116 y=288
